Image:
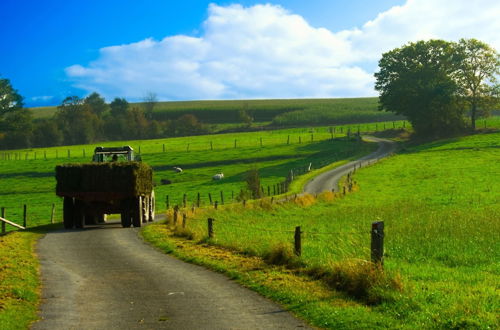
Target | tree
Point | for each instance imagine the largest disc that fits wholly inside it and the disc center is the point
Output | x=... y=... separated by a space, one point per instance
x=150 y=101
x=253 y=182
x=10 y=100
x=96 y=104
x=417 y=81
x=77 y=122
x=479 y=65
x=244 y=116
x=119 y=107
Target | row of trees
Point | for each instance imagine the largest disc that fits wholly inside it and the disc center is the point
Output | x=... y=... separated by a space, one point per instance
x=436 y=84
x=85 y=120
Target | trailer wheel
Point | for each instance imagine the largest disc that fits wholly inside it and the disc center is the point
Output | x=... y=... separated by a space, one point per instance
x=137 y=212
x=145 y=209
x=68 y=213
x=152 y=206
x=126 y=219
x=79 y=214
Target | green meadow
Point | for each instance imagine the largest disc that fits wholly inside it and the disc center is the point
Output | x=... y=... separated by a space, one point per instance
x=440 y=203
x=280 y=112
x=28 y=175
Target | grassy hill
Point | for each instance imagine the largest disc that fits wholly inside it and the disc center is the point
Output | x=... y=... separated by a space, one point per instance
x=282 y=112
x=441 y=208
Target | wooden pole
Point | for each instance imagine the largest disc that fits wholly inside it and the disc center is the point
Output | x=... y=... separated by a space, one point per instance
x=69 y=154
x=298 y=242
x=163 y=147
x=268 y=191
x=210 y=198
x=198 y=200
x=216 y=204
x=222 y=197
x=211 y=146
x=210 y=228
x=300 y=139
x=288 y=140
x=235 y=143
x=3 y=223
x=25 y=215
x=184 y=220
x=176 y=214
x=168 y=203
x=52 y=214
x=184 y=200
x=377 y=242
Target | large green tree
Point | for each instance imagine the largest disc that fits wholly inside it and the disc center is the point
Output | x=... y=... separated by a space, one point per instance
x=417 y=81
x=479 y=66
x=96 y=104
x=10 y=100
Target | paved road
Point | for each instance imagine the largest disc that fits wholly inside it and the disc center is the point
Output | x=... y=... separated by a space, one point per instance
x=329 y=180
x=106 y=277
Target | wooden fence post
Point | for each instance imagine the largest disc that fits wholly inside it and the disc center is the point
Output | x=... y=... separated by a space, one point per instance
x=53 y=213
x=3 y=223
x=222 y=197
x=164 y=147
x=235 y=143
x=176 y=214
x=211 y=146
x=168 y=203
x=216 y=204
x=25 y=214
x=184 y=220
x=377 y=242
x=298 y=242
x=288 y=140
x=83 y=153
x=300 y=139
x=210 y=198
x=184 y=200
x=198 y=199
x=268 y=191
x=210 y=228
x=69 y=154
x=187 y=148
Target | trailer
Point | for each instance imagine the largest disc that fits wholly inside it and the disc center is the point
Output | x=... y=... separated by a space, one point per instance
x=115 y=182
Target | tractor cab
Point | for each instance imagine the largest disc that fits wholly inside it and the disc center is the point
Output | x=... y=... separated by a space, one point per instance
x=115 y=154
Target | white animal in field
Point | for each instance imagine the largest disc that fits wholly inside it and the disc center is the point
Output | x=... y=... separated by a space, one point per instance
x=177 y=169
x=218 y=176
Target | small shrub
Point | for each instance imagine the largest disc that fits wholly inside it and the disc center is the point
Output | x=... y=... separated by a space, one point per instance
x=326 y=196
x=184 y=232
x=281 y=255
x=360 y=279
x=305 y=200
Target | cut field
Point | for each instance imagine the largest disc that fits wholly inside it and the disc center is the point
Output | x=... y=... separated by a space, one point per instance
x=441 y=207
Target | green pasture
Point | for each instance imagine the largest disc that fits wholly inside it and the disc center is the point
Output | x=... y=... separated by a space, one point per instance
x=281 y=112
x=28 y=175
x=440 y=203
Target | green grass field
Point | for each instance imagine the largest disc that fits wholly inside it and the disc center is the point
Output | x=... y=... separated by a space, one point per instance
x=282 y=112
x=440 y=204
x=28 y=175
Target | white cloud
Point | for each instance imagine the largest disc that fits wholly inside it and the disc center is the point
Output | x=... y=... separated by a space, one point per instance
x=264 y=51
x=41 y=98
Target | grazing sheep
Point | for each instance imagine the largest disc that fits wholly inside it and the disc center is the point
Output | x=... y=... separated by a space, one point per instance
x=177 y=169
x=218 y=176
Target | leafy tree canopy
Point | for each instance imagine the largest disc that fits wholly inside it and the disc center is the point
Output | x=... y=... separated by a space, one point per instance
x=430 y=83
x=10 y=100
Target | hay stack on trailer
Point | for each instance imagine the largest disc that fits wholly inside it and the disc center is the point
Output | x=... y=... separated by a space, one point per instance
x=98 y=180
x=91 y=190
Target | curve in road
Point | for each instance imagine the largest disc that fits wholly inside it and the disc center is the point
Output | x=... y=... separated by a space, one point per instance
x=328 y=181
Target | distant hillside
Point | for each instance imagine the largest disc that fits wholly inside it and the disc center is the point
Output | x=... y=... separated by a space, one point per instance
x=282 y=112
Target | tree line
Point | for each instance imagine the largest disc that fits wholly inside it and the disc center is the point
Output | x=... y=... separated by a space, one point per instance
x=441 y=87
x=85 y=120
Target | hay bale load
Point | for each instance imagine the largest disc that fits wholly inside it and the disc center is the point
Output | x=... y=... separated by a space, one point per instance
x=90 y=191
x=102 y=181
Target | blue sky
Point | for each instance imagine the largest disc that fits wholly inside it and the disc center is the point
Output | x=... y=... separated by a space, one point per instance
x=218 y=50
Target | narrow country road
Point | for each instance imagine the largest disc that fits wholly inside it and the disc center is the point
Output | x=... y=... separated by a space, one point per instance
x=106 y=277
x=328 y=181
